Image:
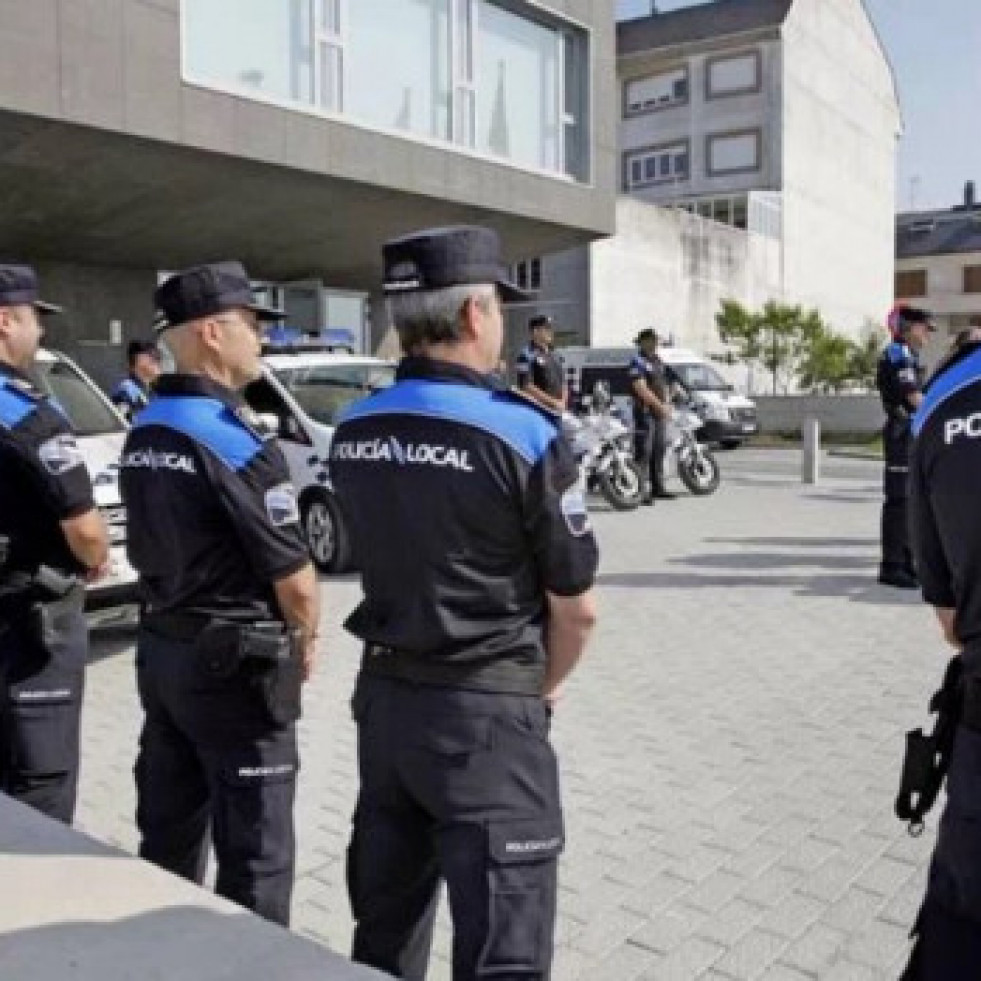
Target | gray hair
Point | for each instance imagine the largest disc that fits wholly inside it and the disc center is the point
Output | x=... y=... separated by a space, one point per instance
x=433 y=316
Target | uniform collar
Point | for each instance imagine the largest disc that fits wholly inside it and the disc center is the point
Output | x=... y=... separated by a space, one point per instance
x=200 y=386
x=11 y=372
x=136 y=381
x=429 y=369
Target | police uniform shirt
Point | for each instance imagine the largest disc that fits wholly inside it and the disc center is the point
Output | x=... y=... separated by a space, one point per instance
x=130 y=395
x=543 y=368
x=43 y=478
x=650 y=370
x=212 y=515
x=464 y=507
x=898 y=375
x=945 y=475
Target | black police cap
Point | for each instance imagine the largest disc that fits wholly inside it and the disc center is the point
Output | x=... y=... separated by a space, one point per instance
x=915 y=315
x=204 y=291
x=437 y=258
x=18 y=287
x=647 y=334
x=541 y=320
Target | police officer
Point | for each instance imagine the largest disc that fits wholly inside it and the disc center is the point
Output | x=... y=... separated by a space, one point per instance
x=649 y=387
x=51 y=537
x=230 y=602
x=133 y=392
x=477 y=561
x=946 y=539
x=541 y=375
x=899 y=379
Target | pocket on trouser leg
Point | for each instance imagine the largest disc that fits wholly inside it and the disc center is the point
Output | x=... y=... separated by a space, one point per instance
x=280 y=688
x=522 y=880
x=44 y=728
x=253 y=831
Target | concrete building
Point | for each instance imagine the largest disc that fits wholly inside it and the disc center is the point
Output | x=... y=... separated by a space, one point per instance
x=140 y=136
x=938 y=265
x=779 y=119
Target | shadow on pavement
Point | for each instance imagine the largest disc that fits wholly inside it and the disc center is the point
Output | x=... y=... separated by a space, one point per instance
x=799 y=542
x=858 y=589
x=774 y=560
x=106 y=642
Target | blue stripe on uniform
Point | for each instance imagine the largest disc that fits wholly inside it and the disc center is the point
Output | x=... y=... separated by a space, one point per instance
x=897 y=353
x=15 y=406
x=522 y=427
x=959 y=376
x=206 y=421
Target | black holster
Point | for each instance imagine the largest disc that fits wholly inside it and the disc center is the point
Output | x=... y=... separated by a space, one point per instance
x=265 y=653
x=927 y=757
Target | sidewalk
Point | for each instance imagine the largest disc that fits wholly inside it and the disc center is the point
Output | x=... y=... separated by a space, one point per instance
x=730 y=746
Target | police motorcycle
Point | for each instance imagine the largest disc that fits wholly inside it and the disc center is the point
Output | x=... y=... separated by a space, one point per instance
x=690 y=460
x=602 y=444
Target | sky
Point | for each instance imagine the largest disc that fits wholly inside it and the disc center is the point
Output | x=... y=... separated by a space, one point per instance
x=935 y=50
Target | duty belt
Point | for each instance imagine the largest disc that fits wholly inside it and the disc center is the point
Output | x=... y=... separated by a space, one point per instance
x=264 y=640
x=500 y=676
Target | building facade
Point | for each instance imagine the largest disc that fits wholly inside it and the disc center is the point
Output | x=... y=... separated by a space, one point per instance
x=140 y=136
x=777 y=119
x=938 y=265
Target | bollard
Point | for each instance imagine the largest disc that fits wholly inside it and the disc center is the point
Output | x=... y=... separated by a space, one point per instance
x=811 y=455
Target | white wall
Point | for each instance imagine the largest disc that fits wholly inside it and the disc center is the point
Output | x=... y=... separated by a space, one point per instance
x=670 y=269
x=841 y=123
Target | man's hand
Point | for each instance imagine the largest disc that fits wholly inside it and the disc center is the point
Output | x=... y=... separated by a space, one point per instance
x=946 y=615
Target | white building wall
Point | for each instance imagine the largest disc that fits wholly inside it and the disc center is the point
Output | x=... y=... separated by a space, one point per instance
x=841 y=122
x=669 y=269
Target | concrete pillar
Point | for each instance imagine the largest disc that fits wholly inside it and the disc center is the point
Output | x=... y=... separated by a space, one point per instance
x=811 y=455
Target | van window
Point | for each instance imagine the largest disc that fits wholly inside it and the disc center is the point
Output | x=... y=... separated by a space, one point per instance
x=84 y=406
x=324 y=390
x=700 y=377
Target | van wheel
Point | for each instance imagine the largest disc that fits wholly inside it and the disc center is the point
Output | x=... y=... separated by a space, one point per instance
x=326 y=535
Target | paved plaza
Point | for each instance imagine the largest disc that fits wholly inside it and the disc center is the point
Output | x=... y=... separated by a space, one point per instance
x=730 y=746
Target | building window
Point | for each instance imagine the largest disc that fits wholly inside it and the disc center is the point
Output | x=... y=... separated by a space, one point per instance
x=528 y=274
x=911 y=283
x=734 y=153
x=656 y=165
x=497 y=76
x=733 y=75
x=972 y=279
x=727 y=211
x=660 y=91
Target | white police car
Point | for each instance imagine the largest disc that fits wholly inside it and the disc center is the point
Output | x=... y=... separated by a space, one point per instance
x=306 y=383
x=100 y=431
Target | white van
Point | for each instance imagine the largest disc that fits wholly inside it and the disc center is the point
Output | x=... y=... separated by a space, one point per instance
x=101 y=432
x=729 y=417
x=300 y=397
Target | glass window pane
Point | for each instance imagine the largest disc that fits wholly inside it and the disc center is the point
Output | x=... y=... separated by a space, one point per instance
x=665 y=165
x=270 y=56
x=650 y=169
x=517 y=88
x=397 y=67
x=636 y=171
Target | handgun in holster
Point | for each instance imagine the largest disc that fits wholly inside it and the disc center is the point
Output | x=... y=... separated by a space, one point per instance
x=927 y=757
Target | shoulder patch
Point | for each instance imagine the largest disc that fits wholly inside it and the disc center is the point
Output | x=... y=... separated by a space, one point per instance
x=206 y=421
x=898 y=352
x=18 y=399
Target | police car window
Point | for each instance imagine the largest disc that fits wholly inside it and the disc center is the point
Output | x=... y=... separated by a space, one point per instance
x=700 y=377
x=85 y=408
x=323 y=391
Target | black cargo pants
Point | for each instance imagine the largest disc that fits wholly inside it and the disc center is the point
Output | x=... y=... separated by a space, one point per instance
x=897 y=441
x=462 y=787
x=42 y=678
x=948 y=929
x=650 y=449
x=212 y=760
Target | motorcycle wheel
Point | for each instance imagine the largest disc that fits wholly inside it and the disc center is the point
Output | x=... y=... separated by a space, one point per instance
x=699 y=472
x=622 y=485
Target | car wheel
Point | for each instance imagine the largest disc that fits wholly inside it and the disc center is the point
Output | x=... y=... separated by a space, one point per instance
x=326 y=535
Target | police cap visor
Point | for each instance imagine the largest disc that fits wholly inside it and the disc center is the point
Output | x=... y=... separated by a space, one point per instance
x=204 y=291
x=19 y=287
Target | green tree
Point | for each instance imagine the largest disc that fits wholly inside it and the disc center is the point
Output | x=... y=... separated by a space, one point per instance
x=865 y=356
x=828 y=362
x=778 y=337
